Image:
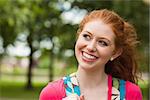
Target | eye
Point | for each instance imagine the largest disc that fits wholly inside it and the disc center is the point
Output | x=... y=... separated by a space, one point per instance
x=87 y=37
x=102 y=43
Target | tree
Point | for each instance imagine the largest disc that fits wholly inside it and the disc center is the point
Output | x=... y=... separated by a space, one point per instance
x=8 y=25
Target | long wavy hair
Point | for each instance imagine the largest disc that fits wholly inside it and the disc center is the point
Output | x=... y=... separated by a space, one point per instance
x=125 y=66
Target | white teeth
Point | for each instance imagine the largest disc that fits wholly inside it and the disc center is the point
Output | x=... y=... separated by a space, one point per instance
x=88 y=56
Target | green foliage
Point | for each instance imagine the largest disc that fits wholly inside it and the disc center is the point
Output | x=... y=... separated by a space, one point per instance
x=90 y=5
x=137 y=13
x=144 y=85
x=43 y=62
x=7 y=23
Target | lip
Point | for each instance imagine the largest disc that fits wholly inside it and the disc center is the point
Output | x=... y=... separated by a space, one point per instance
x=84 y=58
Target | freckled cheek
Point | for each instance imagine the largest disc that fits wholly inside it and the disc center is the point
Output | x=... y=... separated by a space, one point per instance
x=80 y=44
x=105 y=53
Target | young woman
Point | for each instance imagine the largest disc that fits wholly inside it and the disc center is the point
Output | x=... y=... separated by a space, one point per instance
x=107 y=68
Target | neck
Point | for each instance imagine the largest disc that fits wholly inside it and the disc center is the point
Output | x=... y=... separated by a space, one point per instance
x=93 y=78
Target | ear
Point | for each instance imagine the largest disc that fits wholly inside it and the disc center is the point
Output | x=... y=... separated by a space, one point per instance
x=116 y=54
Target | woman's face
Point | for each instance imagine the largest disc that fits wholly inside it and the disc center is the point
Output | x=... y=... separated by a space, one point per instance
x=95 y=45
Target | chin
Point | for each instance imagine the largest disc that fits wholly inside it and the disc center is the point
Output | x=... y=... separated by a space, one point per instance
x=87 y=66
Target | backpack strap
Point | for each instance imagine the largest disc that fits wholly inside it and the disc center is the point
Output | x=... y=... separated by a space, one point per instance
x=71 y=85
x=122 y=89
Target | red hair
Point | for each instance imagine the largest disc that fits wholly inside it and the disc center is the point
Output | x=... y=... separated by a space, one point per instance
x=125 y=66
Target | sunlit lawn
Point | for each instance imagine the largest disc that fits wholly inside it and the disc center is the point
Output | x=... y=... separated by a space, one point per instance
x=17 y=91
x=12 y=85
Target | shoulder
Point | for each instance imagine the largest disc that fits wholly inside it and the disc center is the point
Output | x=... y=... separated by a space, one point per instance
x=133 y=91
x=53 y=91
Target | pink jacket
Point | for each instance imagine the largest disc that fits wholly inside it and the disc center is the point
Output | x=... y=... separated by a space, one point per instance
x=56 y=91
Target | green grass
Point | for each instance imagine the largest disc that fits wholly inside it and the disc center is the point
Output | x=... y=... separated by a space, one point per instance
x=145 y=93
x=145 y=89
x=16 y=90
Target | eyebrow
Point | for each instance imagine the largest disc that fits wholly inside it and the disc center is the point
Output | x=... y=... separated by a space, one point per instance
x=100 y=37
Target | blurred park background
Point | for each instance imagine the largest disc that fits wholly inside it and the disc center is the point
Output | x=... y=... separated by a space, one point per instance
x=37 y=40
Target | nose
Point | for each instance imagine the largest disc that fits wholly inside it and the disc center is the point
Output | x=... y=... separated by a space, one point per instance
x=91 y=47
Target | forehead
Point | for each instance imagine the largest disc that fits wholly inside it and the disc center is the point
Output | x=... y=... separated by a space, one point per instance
x=99 y=29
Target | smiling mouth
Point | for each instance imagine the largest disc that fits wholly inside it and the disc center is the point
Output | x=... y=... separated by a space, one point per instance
x=88 y=57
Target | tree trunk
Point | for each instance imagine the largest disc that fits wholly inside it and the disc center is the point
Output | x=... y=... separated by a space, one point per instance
x=29 y=73
x=51 y=72
x=0 y=67
x=51 y=69
x=1 y=58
